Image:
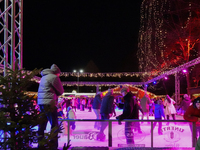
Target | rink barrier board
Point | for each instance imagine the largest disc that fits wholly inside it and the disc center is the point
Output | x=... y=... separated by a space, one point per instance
x=128 y=148
x=132 y=120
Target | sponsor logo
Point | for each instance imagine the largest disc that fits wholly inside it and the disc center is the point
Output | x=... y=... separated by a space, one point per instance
x=86 y=135
x=172 y=135
x=131 y=134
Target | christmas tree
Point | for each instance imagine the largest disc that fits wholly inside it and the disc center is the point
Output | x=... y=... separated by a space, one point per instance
x=18 y=112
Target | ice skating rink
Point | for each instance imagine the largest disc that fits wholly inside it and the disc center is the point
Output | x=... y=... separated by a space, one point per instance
x=174 y=135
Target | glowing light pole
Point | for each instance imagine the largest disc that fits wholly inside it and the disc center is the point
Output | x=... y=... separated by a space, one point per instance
x=78 y=74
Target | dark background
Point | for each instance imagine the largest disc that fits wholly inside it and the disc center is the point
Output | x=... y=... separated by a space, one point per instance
x=73 y=34
x=93 y=35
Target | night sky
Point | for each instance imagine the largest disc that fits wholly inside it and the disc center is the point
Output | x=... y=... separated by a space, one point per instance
x=73 y=33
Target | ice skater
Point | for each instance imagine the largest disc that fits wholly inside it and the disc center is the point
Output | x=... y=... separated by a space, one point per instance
x=169 y=108
x=96 y=105
x=159 y=113
x=144 y=102
x=106 y=113
x=71 y=116
x=130 y=111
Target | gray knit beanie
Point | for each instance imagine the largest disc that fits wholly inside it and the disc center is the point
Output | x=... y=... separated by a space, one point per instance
x=55 y=69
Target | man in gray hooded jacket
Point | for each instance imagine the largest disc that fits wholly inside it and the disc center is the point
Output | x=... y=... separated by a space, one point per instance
x=49 y=89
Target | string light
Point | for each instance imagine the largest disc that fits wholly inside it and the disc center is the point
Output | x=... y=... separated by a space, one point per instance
x=108 y=74
x=159 y=76
x=166 y=42
x=151 y=34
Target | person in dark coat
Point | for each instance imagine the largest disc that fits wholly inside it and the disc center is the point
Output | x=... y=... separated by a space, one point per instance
x=158 y=113
x=96 y=105
x=106 y=112
x=67 y=103
x=185 y=103
x=192 y=114
x=130 y=111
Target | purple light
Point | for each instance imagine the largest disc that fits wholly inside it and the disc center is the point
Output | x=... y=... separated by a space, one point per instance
x=184 y=70
x=154 y=82
x=166 y=78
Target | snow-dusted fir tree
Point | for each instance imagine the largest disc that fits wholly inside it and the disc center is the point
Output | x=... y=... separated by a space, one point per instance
x=18 y=114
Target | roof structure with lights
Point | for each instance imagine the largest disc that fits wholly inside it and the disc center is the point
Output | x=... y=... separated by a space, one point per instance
x=176 y=70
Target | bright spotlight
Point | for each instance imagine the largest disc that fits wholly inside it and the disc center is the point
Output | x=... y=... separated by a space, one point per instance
x=184 y=70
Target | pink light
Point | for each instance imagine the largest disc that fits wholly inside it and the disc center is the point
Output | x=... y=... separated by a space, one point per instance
x=166 y=78
x=184 y=70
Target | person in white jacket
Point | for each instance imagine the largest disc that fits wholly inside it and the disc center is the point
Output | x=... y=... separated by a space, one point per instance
x=169 y=108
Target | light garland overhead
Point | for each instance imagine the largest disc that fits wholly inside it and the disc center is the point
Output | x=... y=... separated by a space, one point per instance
x=157 y=77
x=107 y=74
x=86 y=83
x=101 y=83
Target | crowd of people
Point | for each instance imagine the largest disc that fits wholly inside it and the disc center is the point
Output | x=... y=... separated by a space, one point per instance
x=51 y=88
x=104 y=108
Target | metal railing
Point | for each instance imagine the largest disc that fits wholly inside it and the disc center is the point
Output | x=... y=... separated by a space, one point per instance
x=194 y=140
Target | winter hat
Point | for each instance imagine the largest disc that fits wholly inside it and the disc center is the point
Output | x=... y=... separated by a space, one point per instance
x=185 y=96
x=124 y=89
x=55 y=69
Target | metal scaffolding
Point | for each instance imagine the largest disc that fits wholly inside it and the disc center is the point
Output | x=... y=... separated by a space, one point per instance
x=11 y=32
x=175 y=71
x=177 y=87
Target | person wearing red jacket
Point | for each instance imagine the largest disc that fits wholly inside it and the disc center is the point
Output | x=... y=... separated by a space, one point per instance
x=193 y=114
